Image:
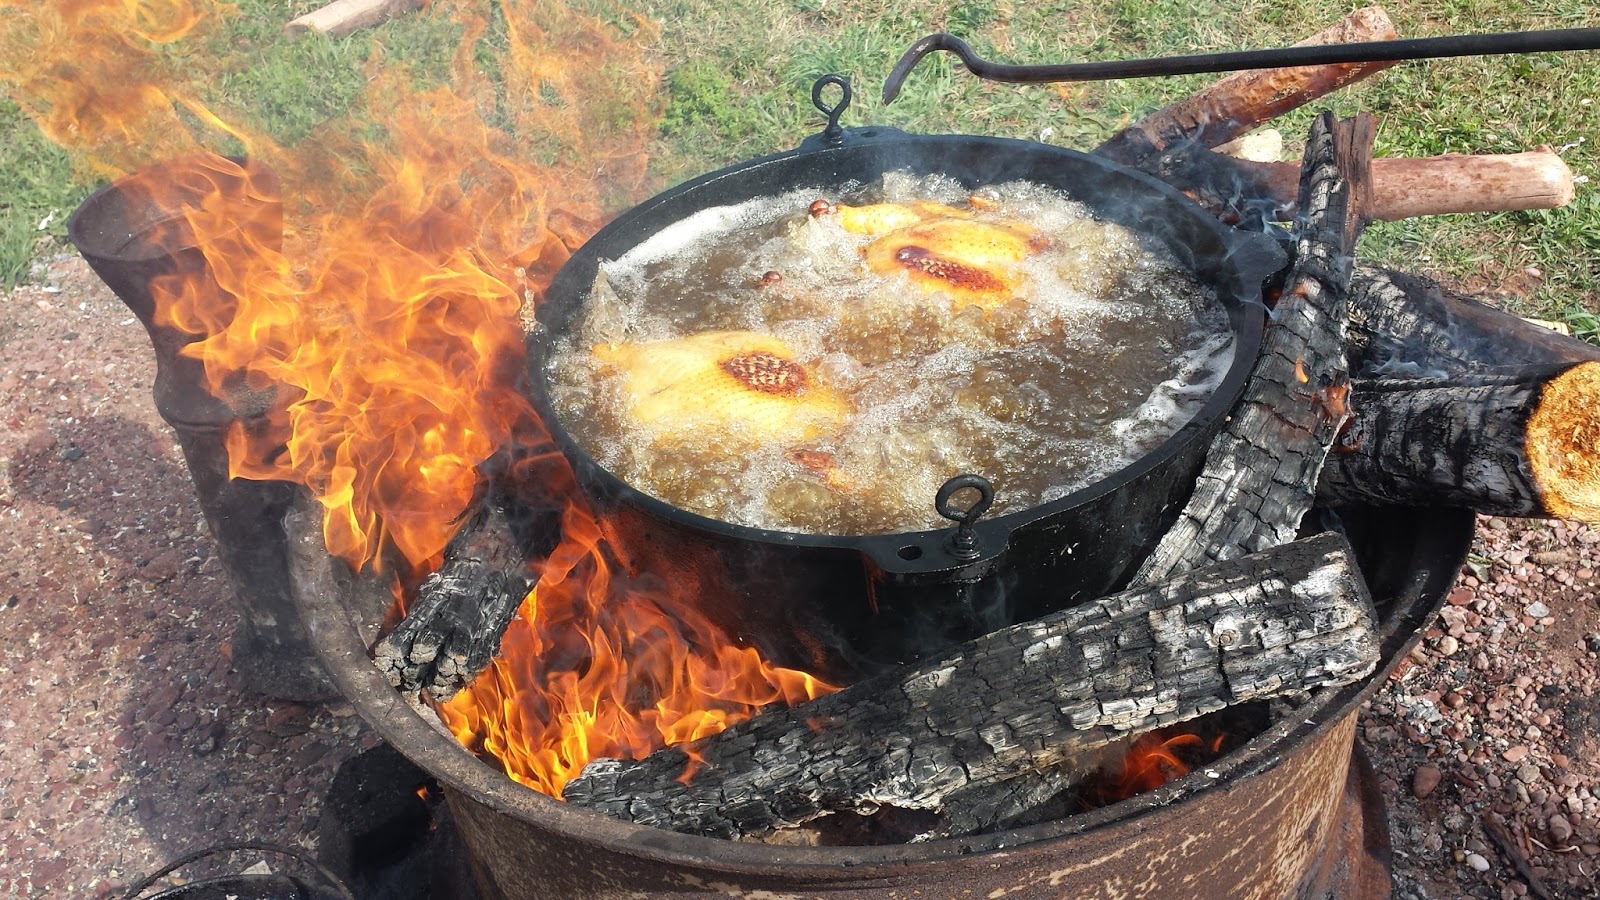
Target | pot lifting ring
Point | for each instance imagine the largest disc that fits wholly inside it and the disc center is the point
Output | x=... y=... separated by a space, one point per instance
x=964 y=543
x=833 y=135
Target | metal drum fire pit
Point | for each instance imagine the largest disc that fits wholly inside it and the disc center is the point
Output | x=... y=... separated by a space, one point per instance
x=1293 y=813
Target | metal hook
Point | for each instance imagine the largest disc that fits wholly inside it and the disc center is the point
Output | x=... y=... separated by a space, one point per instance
x=833 y=135
x=963 y=544
x=1329 y=54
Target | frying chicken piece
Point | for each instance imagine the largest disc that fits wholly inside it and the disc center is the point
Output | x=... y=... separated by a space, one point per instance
x=877 y=219
x=730 y=388
x=975 y=263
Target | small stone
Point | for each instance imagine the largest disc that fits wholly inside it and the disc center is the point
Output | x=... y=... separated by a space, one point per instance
x=1477 y=862
x=1454 y=700
x=1528 y=774
x=1459 y=597
x=1515 y=754
x=1425 y=781
x=1536 y=610
x=72 y=454
x=1533 y=733
x=1448 y=646
x=1592 y=642
x=1560 y=828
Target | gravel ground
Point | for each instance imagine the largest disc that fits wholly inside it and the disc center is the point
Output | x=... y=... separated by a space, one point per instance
x=129 y=742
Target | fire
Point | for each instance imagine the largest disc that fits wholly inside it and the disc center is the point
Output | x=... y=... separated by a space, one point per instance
x=1154 y=759
x=365 y=291
x=595 y=666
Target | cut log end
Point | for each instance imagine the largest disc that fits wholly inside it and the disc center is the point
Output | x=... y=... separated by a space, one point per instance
x=1563 y=444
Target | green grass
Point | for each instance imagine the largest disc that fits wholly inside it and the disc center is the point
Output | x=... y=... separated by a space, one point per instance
x=37 y=194
x=738 y=77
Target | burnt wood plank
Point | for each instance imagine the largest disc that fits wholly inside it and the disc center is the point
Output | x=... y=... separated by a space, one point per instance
x=454 y=625
x=1015 y=701
x=1261 y=469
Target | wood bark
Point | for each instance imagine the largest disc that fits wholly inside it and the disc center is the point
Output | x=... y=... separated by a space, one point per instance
x=1235 y=190
x=1026 y=697
x=1261 y=469
x=343 y=17
x=1519 y=444
x=1239 y=102
x=455 y=623
x=1410 y=326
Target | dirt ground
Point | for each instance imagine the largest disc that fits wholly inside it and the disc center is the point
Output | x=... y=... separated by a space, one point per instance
x=128 y=741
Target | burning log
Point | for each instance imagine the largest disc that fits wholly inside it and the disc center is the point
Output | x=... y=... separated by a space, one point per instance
x=343 y=17
x=1261 y=470
x=1233 y=105
x=1408 y=325
x=1520 y=444
x=454 y=626
x=1269 y=624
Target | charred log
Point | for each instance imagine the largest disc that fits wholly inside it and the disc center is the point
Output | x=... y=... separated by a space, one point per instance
x=454 y=625
x=1521 y=444
x=1015 y=701
x=1261 y=470
x=1233 y=105
x=1410 y=326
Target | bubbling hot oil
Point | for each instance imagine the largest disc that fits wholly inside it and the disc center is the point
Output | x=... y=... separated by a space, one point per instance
x=1103 y=350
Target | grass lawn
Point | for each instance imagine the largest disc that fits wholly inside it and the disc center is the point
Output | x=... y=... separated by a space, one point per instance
x=738 y=76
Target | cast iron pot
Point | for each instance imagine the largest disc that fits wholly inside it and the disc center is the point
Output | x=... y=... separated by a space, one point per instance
x=847 y=604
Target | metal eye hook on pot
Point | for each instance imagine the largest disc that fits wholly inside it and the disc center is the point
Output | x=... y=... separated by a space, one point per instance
x=963 y=544
x=833 y=135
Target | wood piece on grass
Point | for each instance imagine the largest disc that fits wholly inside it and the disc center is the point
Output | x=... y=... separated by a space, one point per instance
x=343 y=17
x=1411 y=326
x=454 y=625
x=1008 y=703
x=1521 y=444
x=1229 y=107
x=1261 y=469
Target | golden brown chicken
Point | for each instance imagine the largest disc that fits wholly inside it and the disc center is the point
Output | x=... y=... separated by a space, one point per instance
x=733 y=388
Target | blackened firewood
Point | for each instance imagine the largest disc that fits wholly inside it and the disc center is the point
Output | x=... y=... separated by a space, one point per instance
x=1261 y=469
x=1511 y=444
x=1014 y=701
x=454 y=625
x=1412 y=327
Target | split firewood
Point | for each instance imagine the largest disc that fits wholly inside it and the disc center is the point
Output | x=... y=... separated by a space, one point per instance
x=1284 y=621
x=343 y=17
x=1261 y=469
x=1521 y=444
x=1411 y=326
x=453 y=627
x=1239 y=102
x=1234 y=189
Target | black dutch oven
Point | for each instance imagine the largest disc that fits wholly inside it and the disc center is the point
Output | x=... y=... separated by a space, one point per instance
x=844 y=605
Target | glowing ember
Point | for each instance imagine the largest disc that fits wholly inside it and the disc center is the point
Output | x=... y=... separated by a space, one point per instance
x=1154 y=759
x=383 y=321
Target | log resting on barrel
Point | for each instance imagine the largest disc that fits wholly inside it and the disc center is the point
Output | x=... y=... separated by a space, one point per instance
x=1410 y=326
x=1238 y=190
x=453 y=627
x=1261 y=469
x=1239 y=102
x=1008 y=703
x=1520 y=444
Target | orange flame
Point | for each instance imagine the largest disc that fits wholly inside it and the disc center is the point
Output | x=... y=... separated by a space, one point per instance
x=363 y=301
x=596 y=667
x=1154 y=759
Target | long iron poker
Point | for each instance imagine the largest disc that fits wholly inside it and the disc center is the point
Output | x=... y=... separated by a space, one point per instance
x=1370 y=51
